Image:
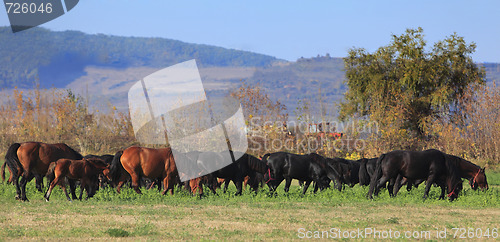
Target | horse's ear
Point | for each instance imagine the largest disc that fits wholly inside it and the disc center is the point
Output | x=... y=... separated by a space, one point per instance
x=482 y=169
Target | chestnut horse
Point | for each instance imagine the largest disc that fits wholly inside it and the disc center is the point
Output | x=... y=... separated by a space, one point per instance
x=86 y=170
x=470 y=171
x=32 y=159
x=136 y=162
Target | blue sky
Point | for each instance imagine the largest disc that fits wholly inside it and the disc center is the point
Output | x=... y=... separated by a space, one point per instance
x=289 y=29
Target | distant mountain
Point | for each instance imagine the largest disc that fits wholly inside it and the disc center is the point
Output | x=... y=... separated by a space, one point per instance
x=55 y=59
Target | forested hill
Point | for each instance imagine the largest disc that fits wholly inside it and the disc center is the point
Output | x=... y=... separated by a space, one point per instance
x=56 y=58
x=104 y=67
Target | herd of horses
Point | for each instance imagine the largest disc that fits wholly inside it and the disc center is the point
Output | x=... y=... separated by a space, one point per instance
x=61 y=164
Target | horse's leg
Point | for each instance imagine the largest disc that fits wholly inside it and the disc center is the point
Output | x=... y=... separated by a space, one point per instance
x=212 y=188
x=52 y=184
x=169 y=184
x=443 y=188
x=15 y=180
x=288 y=182
x=82 y=187
x=119 y=186
x=226 y=185
x=39 y=183
x=306 y=185
x=381 y=182
x=409 y=185
x=158 y=181
x=135 y=183
x=315 y=187
x=66 y=192
x=239 y=186
x=397 y=185
x=72 y=188
x=430 y=181
x=165 y=185
x=390 y=187
x=24 y=181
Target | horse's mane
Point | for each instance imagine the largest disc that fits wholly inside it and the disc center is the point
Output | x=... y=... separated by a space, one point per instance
x=75 y=153
x=97 y=162
x=256 y=164
x=452 y=164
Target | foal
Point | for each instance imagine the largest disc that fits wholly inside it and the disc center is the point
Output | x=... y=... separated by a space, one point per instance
x=86 y=170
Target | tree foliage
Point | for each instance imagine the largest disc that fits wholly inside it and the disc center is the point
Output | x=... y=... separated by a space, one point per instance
x=405 y=86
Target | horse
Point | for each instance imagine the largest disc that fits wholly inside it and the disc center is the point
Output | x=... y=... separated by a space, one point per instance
x=470 y=171
x=196 y=185
x=348 y=169
x=431 y=165
x=86 y=170
x=367 y=168
x=246 y=165
x=103 y=181
x=307 y=168
x=33 y=158
x=136 y=162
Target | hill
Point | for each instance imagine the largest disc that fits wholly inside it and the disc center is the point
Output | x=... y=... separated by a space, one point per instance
x=54 y=59
x=103 y=68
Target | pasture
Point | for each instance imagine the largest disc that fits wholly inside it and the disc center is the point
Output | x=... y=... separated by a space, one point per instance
x=250 y=216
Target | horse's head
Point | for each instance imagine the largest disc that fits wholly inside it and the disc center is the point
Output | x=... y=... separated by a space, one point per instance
x=106 y=173
x=479 y=180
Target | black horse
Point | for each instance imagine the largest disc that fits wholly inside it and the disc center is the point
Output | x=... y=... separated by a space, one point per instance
x=430 y=165
x=348 y=169
x=307 y=168
x=367 y=168
x=245 y=165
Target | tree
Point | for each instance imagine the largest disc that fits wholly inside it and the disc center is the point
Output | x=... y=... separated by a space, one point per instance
x=405 y=86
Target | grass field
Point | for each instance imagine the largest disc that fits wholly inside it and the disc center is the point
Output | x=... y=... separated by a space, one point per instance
x=249 y=217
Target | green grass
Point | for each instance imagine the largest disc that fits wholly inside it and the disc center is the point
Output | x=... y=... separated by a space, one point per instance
x=253 y=216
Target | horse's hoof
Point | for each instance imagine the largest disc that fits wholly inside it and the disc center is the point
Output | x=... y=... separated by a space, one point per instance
x=18 y=197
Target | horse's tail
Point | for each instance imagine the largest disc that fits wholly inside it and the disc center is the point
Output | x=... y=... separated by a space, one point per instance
x=50 y=172
x=3 y=171
x=116 y=166
x=333 y=173
x=364 y=176
x=264 y=158
x=376 y=175
x=12 y=160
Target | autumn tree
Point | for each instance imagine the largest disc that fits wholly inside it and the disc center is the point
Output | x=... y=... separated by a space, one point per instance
x=405 y=86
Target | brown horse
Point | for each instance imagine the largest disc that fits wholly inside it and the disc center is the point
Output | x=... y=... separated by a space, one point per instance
x=34 y=158
x=136 y=162
x=86 y=170
x=470 y=171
